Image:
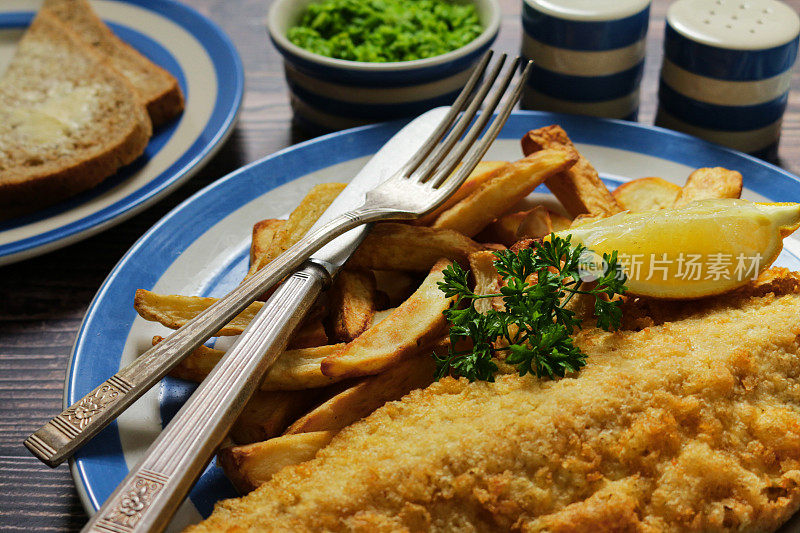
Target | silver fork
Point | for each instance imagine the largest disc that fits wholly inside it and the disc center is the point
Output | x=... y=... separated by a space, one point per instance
x=153 y=489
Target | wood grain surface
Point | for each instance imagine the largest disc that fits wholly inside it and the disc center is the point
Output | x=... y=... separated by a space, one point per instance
x=42 y=300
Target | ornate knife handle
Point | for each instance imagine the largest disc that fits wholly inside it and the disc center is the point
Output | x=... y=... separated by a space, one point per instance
x=60 y=437
x=152 y=491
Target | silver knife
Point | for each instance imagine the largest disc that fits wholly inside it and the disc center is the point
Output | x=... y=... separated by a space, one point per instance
x=153 y=489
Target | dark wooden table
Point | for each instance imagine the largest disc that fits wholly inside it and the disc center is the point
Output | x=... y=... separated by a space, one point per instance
x=42 y=300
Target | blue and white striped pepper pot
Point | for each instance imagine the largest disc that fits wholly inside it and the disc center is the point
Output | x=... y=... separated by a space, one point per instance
x=588 y=55
x=726 y=71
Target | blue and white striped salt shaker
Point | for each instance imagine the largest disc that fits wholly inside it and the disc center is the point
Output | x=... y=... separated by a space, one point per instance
x=726 y=71
x=588 y=55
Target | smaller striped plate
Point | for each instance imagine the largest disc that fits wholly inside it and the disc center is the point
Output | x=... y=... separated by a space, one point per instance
x=209 y=70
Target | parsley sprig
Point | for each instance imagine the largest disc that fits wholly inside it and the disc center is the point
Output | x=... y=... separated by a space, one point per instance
x=533 y=332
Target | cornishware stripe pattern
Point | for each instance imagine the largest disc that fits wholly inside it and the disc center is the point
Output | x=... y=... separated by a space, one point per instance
x=332 y=94
x=588 y=56
x=727 y=70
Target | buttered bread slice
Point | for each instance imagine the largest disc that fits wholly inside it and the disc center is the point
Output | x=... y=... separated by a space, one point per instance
x=158 y=89
x=67 y=119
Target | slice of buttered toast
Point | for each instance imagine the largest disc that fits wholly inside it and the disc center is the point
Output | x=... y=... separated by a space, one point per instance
x=67 y=119
x=157 y=88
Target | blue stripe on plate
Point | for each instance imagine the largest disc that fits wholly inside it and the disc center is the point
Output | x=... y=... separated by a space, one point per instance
x=724 y=64
x=372 y=112
x=718 y=117
x=586 y=88
x=383 y=78
x=101 y=464
x=584 y=35
x=230 y=74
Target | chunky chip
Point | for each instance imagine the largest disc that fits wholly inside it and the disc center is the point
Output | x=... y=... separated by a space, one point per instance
x=508 y=229
x=396 y=285
x=370 y=393
x=173 y=311
x=318 y=199
x=253 y=464
x=412 y=326
x=293 y=370
x=495 y=197
x=352 y=299
x=483 y=172
x=487 y=280
x=706 y=183
x=268 y=414
x=559 y=222
x=264 y=233
x=578 y=188
x=392 y=246
x=646 y=194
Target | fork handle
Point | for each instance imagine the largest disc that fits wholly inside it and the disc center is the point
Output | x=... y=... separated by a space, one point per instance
x=61 y=436
x=152 y=491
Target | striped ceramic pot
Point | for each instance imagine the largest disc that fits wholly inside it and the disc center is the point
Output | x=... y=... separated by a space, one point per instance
x=727 y=70
x=588 y=55
x=332 y=94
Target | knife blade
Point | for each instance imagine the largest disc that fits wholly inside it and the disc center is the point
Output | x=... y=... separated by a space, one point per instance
x=388 y=160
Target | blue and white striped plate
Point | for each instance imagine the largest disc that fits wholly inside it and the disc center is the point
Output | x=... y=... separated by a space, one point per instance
x=209 y=69
x=201 y=248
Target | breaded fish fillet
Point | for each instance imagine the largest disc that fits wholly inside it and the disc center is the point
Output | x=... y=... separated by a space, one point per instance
x=689 y=424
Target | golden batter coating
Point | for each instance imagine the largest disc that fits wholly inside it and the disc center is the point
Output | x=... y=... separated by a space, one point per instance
x=691 y=423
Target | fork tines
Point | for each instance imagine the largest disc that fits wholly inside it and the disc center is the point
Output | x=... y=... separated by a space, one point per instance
x=440 y=158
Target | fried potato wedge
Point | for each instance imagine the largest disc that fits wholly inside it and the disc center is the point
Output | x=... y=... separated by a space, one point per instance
x=264 y=233
x=705 y=183
x=503 y=230
x=268 y=414
x=315 y=203
x=293 y=370
x=536 y=224
x=483 y=172
x=646 y=194
x=309 y=335
x=173 y=311
x=558 y=221
x=392 y=246
x=396 y=285
x=363 y=398
x=352 y=300
x=251 y=465
x=512 y=183
x=487 y=280
x=531 y=223
x=412 y=326
x=380 y=315
x=579 y=188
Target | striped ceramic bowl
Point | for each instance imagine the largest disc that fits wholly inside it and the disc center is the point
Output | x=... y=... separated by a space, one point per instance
x=588 y=55
x=331 y=94
x=726 y=71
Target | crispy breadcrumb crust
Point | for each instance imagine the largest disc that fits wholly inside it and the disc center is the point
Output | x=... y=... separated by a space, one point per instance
x=688 y=423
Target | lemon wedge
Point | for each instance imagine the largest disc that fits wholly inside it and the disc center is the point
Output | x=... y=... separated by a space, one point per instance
x=701 y=249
